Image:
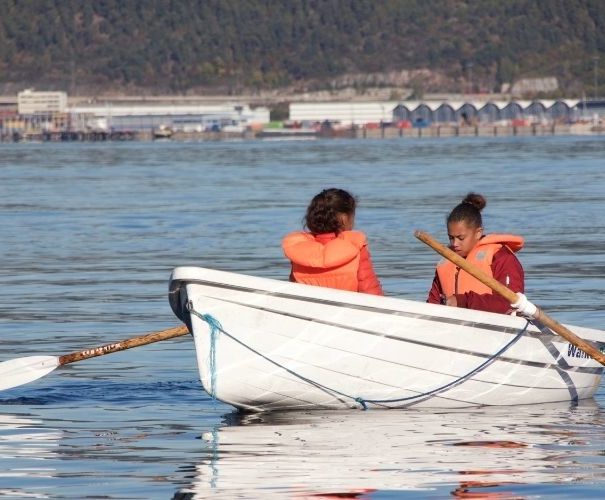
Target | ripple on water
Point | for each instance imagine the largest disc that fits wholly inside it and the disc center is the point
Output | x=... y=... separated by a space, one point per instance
x=91 y=232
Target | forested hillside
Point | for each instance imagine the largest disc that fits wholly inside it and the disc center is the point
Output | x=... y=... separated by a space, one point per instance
x=242 y=45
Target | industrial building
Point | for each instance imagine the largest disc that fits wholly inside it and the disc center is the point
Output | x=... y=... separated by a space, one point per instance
x=48 y=111
x=345 y=113
x=440 y=112
x=177 y=117
x=30 y=102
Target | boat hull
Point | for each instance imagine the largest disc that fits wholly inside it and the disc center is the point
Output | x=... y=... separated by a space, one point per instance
x=265 y=344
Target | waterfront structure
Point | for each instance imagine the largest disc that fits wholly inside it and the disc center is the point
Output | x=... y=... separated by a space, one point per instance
x=439 y=112
x=177 y=117
x=492 y=112
x=595 y=108
x=30 y=102
x=48 y=114
x=37 y=115
x=346 y=113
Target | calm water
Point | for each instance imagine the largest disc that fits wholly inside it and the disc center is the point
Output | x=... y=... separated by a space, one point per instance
x=91 y=232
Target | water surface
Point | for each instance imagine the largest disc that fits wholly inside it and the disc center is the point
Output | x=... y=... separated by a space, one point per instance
x=91 y=232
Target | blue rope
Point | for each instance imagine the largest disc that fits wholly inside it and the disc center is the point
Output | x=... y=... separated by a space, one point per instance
x=205 y=317
x=459 y=380
x=215 y=328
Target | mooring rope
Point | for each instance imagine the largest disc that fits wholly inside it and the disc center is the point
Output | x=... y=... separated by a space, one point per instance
x=216 y=328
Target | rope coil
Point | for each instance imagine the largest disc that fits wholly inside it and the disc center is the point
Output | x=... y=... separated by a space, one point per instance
x=216 y=328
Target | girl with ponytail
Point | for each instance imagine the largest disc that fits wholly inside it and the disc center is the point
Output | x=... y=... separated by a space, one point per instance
x=494 y=254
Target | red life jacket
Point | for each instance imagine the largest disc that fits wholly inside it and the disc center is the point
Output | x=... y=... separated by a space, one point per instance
x=454 y=280
x=333 y=264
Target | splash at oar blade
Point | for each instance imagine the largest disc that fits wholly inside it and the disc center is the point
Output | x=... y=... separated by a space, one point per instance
x=21 y=371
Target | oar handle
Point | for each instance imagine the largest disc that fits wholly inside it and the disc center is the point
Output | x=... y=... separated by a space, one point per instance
x=509 y=295
x=150 y=338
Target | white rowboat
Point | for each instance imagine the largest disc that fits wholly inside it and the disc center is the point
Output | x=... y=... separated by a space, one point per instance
x=265 y=344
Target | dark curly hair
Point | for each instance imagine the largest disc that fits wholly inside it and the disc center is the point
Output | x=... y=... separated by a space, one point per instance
x=469 y=210
x=323 y=212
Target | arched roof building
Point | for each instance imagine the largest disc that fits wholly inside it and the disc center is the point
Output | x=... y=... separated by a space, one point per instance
x=443 y=112
x=486 y=112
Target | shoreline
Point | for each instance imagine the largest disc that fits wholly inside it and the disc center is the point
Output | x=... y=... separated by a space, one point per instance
x=309 y=134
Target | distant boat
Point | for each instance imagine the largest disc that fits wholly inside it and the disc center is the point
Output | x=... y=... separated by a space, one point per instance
x=233 y=129
x=332 y=130
x=162 y=132
x=265 y=344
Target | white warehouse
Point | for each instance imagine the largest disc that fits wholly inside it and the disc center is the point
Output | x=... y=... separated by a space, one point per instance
x=31 y=102
x=347 y=113
x=184 y=117
x=443 y=112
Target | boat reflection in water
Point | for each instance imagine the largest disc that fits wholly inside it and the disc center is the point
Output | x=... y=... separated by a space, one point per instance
x=478 y=453
x=27 y=450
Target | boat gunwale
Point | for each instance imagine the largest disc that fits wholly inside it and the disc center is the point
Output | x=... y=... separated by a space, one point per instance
x=453 y=315
x=537 y=336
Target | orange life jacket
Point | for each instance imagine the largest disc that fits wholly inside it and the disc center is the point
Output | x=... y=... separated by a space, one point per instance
x=333 y=264
x=454 y=280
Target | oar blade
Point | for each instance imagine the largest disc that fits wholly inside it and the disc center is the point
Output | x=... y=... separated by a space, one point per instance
x=16 y=372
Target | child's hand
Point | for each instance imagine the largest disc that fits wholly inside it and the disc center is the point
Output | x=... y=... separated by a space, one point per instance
x=451 y=301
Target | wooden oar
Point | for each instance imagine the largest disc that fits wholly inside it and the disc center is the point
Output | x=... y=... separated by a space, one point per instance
x=21 y=371
x=511 y=296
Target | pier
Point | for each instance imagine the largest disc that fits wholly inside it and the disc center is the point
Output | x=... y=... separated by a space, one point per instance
x=475 y=131
x=385 y=132
x=71 y=136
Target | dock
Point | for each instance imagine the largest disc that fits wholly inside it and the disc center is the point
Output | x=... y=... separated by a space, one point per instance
x=385 y=132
